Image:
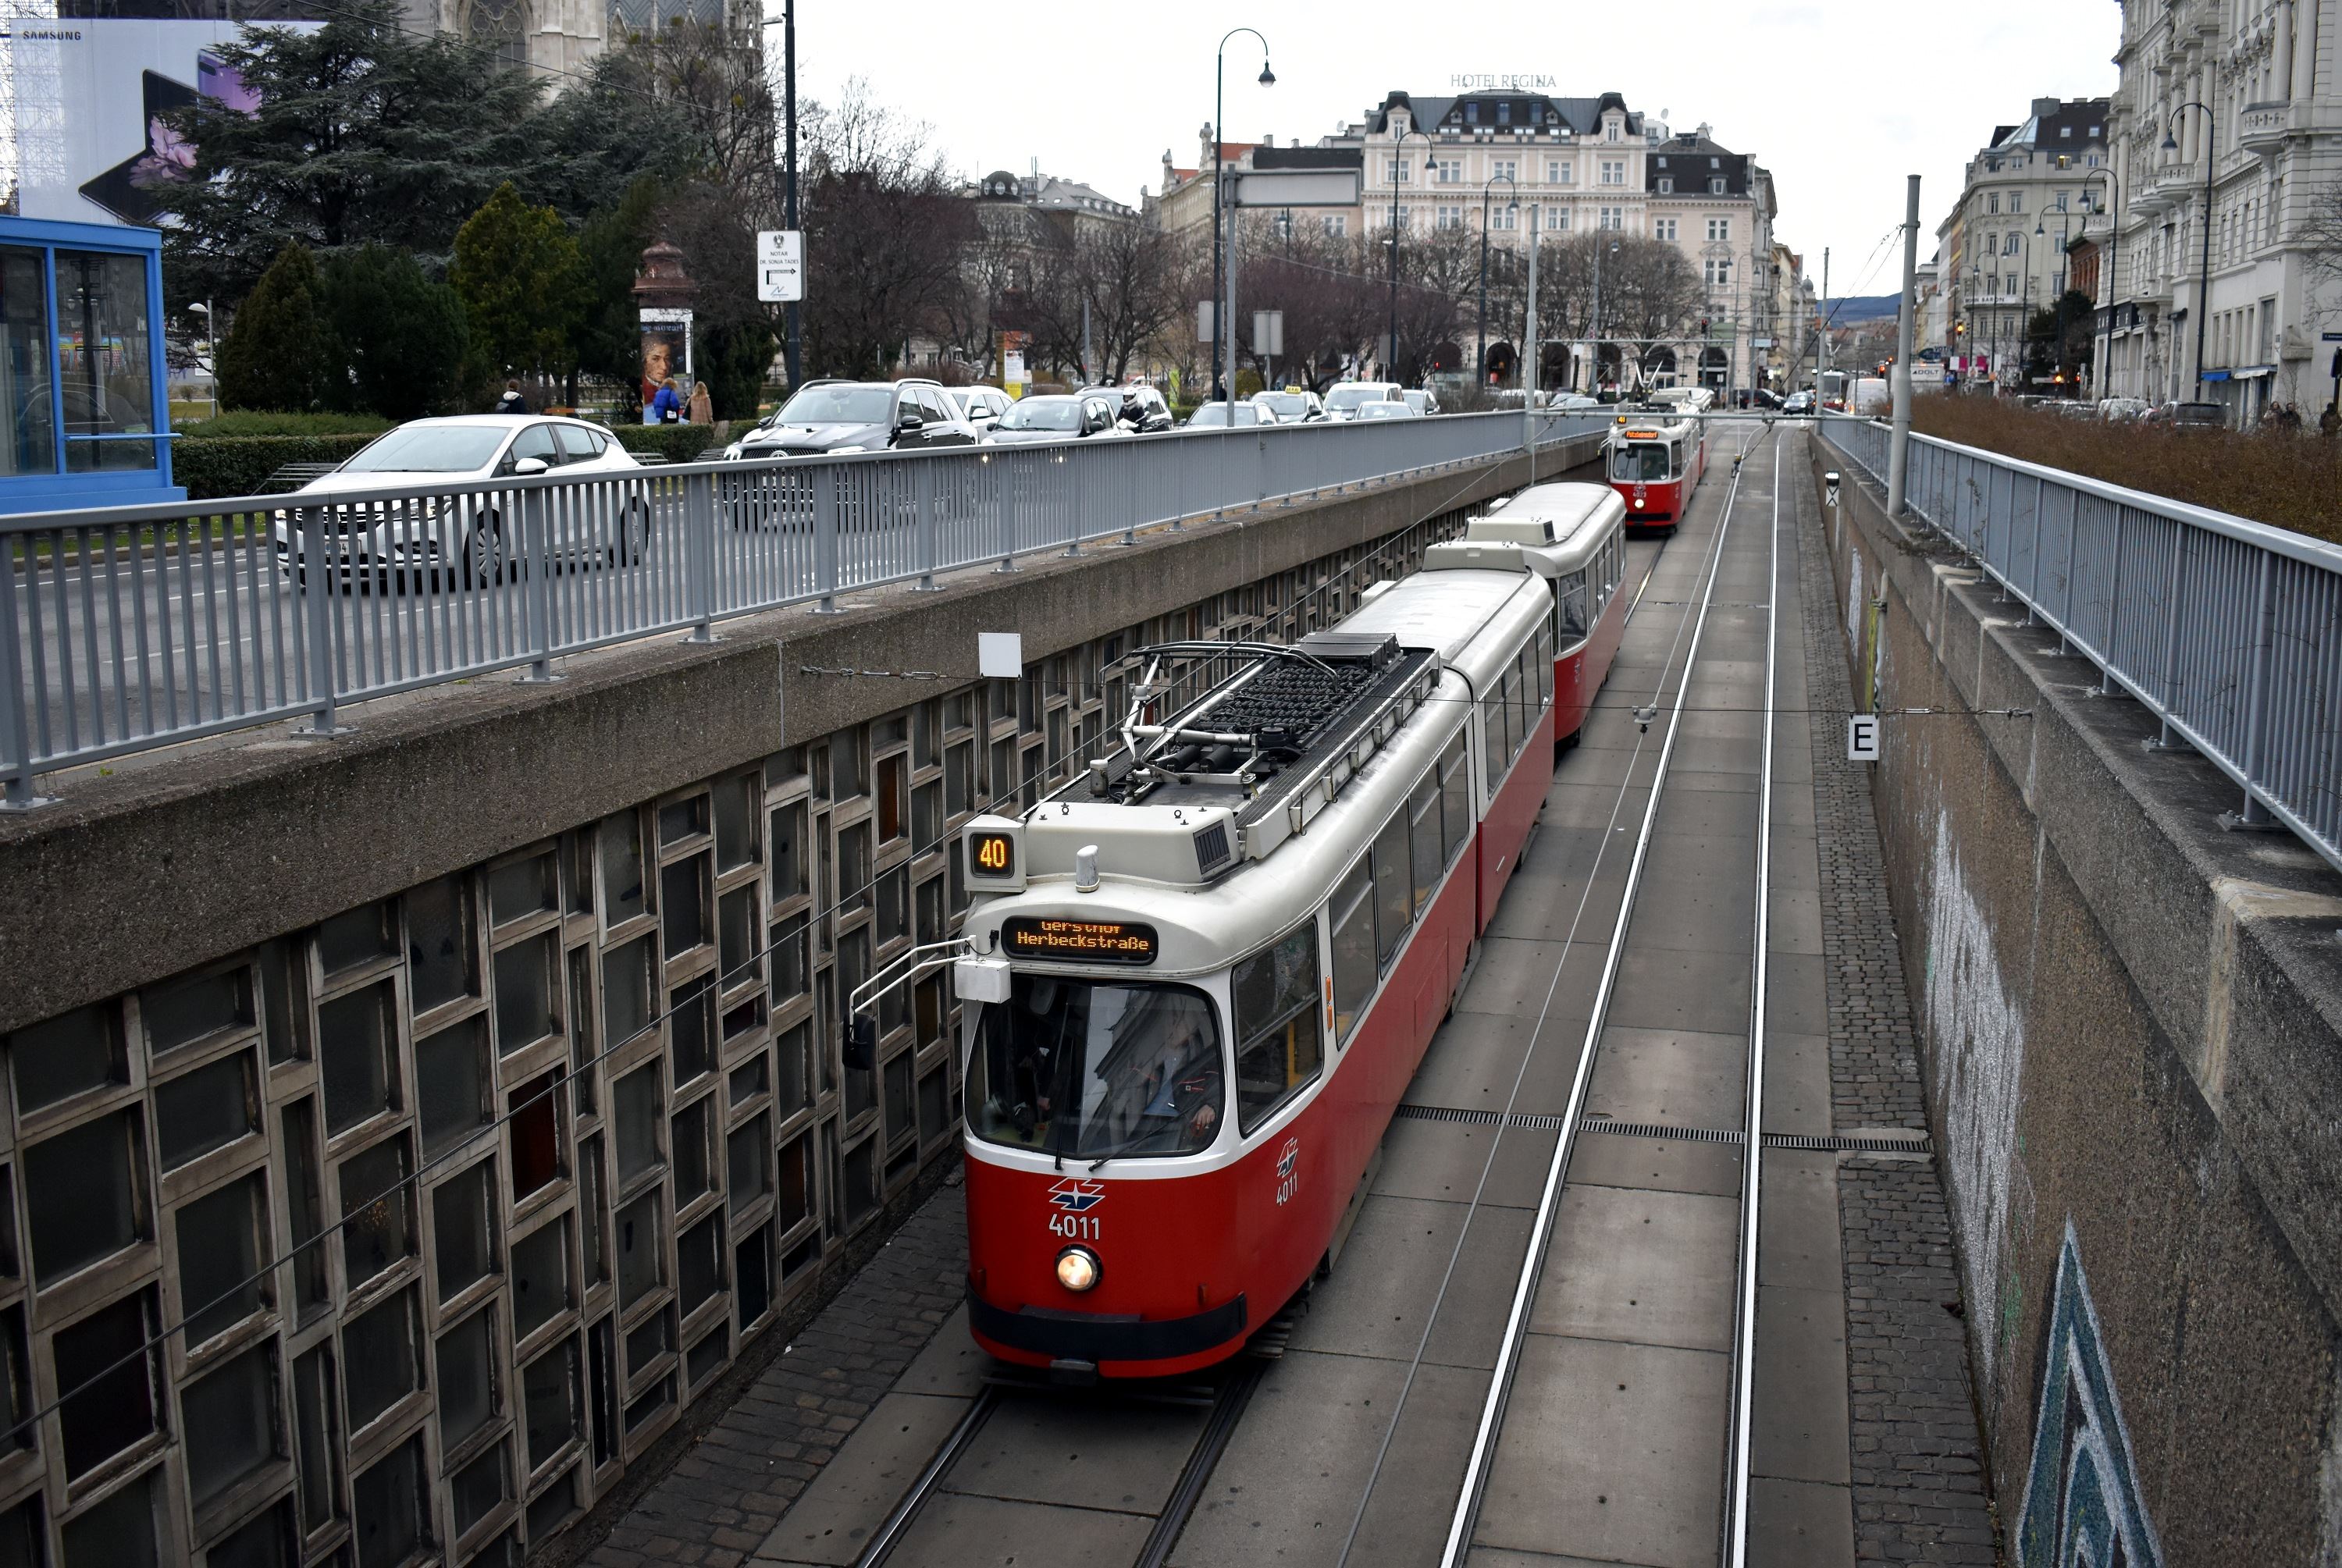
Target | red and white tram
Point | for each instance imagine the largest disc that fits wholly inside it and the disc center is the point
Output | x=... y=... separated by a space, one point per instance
x=1654 y=459
x=1571 y=537
x=1202 y=974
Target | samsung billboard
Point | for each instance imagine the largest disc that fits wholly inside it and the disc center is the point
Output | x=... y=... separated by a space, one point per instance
x=92 y=141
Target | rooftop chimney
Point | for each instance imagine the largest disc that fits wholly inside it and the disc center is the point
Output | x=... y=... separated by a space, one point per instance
x=2044 y=108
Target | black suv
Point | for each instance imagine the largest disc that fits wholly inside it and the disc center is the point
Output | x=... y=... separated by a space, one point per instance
x=829 y=417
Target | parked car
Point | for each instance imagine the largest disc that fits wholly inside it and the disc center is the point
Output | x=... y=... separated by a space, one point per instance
x=1398 y=408
x=1222 y=416
x=831 y=418
x=1057 y=417
x=2199 y=416
x=1764 y=397
x=2121 y=410
x=455 y=528
x=981 y=406
x=1140 y=408
x=1424 y=401
x=1574 y=402
x=1346 y=399
x=1293 y=405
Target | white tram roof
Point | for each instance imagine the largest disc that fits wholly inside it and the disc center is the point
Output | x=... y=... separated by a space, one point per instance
x=1444 y=612
x=1549 y=529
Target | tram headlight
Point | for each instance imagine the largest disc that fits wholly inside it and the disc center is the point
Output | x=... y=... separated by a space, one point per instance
x=1077 y=1269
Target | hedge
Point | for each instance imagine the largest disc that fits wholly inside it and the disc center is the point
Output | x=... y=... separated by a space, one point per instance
x=675 y=442
x=211 y=466
x=251 y=422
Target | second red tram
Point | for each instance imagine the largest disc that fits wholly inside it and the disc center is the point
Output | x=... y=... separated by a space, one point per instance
x=1654 y=460
x=1571 y=537
x=1200 y=977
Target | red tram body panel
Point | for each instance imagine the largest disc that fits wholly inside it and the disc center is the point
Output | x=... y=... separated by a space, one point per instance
x=1200 y=978
x=1655 y=461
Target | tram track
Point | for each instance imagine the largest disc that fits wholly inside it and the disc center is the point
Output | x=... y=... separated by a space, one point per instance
x=1748 y=1136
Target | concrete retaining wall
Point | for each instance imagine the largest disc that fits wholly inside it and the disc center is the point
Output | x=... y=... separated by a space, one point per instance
x=2132 y=1032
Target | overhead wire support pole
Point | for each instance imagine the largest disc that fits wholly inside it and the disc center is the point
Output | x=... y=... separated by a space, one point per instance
x=1898 y=450
x=1222 y=331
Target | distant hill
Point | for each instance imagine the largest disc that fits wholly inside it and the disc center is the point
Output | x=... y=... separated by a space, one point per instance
x=1855 y=309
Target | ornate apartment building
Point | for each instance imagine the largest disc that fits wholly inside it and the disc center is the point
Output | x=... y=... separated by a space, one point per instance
x=1584 y=163
x=2002 y=254
x=2246 y=92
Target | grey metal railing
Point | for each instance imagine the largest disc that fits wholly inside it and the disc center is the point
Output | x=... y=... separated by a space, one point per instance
x=2228 y=631
x=129 y=628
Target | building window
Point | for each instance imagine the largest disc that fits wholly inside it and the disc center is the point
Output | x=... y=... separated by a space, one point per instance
x=2012 y=245
x=1717 y=272
x=1336 y=224
x=84 y=1194
x=105 y=1369
x=2017 y=201
x=1663 y=229
x=1613 y=217
x=1451 y=217
x=1611 y=130
x=1505 y=169
x=1557 y=219
x=1506 y=218
x=1666 y=185
x=1716 y=186
x=1394 y=172
x=1992 y=201
x=1450 y=171
x=1719 y=230
x=1613 y=171
x=1560 y=172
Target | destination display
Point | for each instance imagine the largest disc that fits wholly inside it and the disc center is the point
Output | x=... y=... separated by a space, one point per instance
x=1079 y=941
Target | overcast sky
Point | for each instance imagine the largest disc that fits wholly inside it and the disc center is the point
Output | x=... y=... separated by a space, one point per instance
x=1840 y=100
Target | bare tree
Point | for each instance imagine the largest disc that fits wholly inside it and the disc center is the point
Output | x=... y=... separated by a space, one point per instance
x=2320 y=231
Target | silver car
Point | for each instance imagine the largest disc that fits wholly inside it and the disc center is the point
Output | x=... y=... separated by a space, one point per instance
x=441 y=524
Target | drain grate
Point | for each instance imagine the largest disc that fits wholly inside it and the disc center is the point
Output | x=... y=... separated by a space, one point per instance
x=1546 y=1122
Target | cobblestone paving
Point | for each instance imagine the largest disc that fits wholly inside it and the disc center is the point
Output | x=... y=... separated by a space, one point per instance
x=729 y=1488
x=1920 y=1477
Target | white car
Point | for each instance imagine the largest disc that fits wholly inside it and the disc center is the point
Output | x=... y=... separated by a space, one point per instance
x=451 y=527
x=1574 y=402
x=1223 y=417
x=1345 y=400
x=982 y=406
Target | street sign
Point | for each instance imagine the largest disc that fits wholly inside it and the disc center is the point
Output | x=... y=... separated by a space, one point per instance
x=1760 y=342
x=1862 y=738
x=2329 y=337
x=780 y=266
x=1268 y=332
x=1202 y=321
x=1000 y=655
x=1295 y=187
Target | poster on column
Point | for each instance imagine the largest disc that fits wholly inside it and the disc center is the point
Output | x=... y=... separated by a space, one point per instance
x=96 y=97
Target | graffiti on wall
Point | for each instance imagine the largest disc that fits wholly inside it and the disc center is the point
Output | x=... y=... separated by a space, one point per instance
x=1976 y=1058
x=2082 y=1505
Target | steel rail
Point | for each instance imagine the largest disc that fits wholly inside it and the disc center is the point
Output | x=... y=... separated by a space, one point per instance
x=1467 y=1505
x=905 y=1512
x=1737 y=1452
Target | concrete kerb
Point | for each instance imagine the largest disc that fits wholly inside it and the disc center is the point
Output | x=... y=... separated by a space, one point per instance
x=133 y=878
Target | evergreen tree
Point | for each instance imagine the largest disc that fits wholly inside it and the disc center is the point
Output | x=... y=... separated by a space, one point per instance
x=402 y=334
x=520 y=276
x=281 y=354
x=609 y=342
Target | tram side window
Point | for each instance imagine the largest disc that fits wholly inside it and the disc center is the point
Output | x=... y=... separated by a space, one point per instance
x=1353 y=946
x=1455 y=795
x=1544 y=657
x=1496 y=745
x=1676 y=458
x=1520 y=695
x=1570 y=590
x=1278 y=1049
x=1394 y=909
x=1423 y=837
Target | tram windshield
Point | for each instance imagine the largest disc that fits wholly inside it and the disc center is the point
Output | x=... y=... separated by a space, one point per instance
x=1095 y=1070
x=1640 y=462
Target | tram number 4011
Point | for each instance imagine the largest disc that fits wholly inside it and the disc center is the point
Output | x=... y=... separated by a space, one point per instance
x=1075 y=1227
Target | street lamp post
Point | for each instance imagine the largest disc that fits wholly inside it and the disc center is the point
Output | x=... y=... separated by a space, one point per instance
x=1224 y=332
x=1398 y=168
x=792 y=335
x=1480 y=361
x=1594 y=317
x=2204 y=274
x=2103 y=370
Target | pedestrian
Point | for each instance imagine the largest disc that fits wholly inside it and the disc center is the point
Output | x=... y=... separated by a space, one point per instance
x=2329 y=423
x=512 y=402
x=666 y=404
x=701 y=410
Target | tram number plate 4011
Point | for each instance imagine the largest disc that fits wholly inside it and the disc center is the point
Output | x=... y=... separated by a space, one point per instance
x=1075 y=1227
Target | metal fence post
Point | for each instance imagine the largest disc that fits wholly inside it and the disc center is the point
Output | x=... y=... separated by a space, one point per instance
x=535 y=502
x=2073 y=533
x=925 y=468
x=1004 y=505
x=2114 y=613
x=825 y=537
x=2165 y=698
x=15 y=714
x=699 y=552
x=318 y=578
x=2256 y=816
